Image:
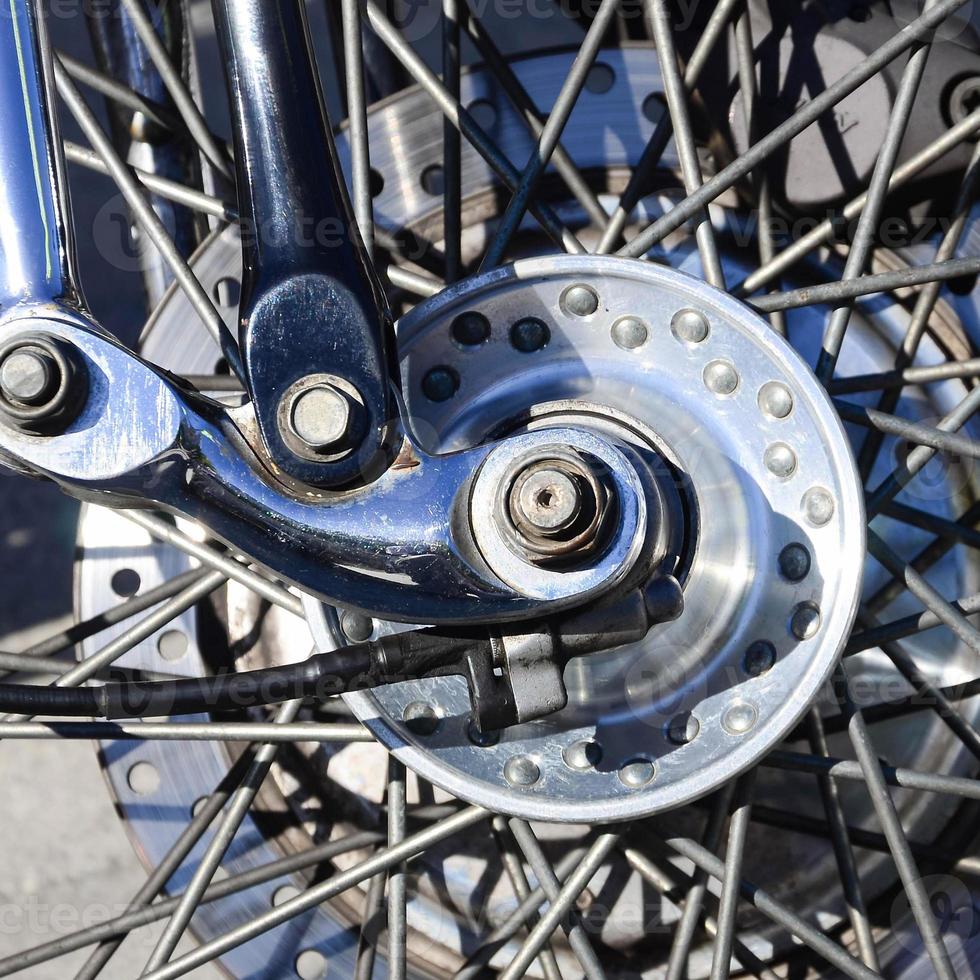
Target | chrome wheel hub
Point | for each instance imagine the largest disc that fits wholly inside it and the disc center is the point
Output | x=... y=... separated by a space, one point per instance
x=770 y=557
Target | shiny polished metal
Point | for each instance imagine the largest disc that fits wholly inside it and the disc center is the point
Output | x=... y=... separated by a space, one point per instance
x=531 y=394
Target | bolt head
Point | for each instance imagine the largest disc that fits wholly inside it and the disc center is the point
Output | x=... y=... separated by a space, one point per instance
x=549 y=500
x=28 y=376
x=321 y=417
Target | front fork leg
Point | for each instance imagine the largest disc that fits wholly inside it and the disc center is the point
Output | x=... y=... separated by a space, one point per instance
x=315 y=332
x=37 y=262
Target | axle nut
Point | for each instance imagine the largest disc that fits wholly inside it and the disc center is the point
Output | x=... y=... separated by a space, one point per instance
x=558 y=509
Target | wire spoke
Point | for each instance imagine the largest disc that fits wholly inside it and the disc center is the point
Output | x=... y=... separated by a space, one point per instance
x=680 y=949
x=215 y=151
x=151 y=223
x=674 y=885
x=578 y=939
x=141 y=630
x=924 y=306
x=908 y=37
x=383 y=860
x=745 y=53
x=891 y=824
x=564 y=899
x=917 y=432
x=551 y=133
x=106 y=85
x=924 y=592
x=947 y=534
x=478 y=960
x=467 y=125
x=514 y=869
x=684 y=137
x=840 y=837
x=238 y=807
x=662 y=132
x=357 y=122
x=229 y=567
x=120 y=926
x=865 y=235
x=155 y=883
x=452 y=163
x=533 y=120
x=847 y=289
x=774 y=910
x=734 y=857
x=397 y=876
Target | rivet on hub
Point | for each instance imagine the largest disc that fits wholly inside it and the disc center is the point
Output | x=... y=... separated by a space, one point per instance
x=471 y=329
x=636 y=773
x=775 y=400
x=579 y=300
x=721 y=378
x=739 y=718
x=529 y=335
x=689 y=326
x=759 y=658
x=521 y=770
x=805 y=620
x=357 y=626
x=582 y=755
x=420 y=718
x=628 y=333
x=794 y=562
x=780 y=460
x=479 y=737
x=440 y=384
x=818 y=506
x=683 y=728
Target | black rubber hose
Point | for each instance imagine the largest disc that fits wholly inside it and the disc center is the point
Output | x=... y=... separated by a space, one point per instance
x=361 y=666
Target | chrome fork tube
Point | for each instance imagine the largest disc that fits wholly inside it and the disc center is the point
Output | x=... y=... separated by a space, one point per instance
x=36 y=243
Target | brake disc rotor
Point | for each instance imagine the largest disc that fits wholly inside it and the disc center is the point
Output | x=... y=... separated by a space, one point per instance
x=485 y=396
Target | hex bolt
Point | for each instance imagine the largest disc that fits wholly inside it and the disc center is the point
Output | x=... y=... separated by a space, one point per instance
x=29 y=376
x=321 y=417
x=43 y=383
x=549 y=500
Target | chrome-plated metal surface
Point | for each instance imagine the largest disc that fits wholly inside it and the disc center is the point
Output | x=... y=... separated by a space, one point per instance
x=190 y=459
x=871 y=339
x=36 y=259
